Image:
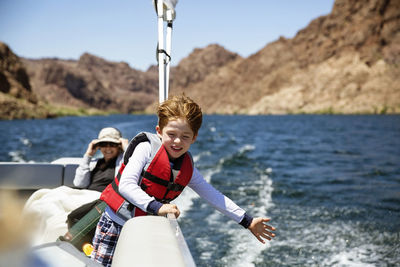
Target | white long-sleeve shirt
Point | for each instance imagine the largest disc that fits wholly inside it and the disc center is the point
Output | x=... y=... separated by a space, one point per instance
x=130 y=189
x=82 y=173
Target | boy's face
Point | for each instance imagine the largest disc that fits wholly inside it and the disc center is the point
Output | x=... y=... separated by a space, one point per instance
x=176 y=137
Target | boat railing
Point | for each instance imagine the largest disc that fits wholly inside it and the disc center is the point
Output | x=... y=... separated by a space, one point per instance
x=152 y=241
x=183 y=247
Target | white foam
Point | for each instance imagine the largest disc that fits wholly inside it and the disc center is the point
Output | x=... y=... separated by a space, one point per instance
x=197 y=157
x=241 y=150
x=354 y=257
x=17 y=156
x=25 y=141
x=248 y=248
x=204 y=245
x=330 y=244
x=246 y=148
x=185 y=200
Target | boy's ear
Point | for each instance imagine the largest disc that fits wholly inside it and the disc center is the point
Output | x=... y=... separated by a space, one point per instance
x=158 y=130
x=194 y=138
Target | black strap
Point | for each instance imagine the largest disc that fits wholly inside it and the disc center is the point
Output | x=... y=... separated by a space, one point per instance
x=164 y=52
x=132 y=145
x=115 y=186
x=169 y=185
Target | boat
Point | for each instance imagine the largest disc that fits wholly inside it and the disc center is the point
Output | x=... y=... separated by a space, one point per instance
x=162 y=233
x=28 y=178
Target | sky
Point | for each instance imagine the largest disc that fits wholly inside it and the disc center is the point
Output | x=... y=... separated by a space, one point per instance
x=126 y=30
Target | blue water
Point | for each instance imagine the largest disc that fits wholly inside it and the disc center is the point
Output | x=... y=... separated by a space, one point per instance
x=330 y=184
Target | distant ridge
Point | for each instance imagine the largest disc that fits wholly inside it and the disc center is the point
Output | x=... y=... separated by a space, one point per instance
x=93 y=82
x=345 y=62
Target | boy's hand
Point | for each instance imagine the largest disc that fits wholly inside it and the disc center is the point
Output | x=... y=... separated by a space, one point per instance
x=169 y=208
x=261 y=230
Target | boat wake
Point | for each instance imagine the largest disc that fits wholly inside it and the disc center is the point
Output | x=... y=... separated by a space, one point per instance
x=253 y=194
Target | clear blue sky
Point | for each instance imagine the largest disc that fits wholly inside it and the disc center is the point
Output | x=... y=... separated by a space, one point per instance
x=126 y=30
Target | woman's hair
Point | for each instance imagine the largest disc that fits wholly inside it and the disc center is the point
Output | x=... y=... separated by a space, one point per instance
x=177 y=107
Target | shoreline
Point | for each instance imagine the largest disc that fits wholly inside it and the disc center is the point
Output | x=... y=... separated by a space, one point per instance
x=57 y=112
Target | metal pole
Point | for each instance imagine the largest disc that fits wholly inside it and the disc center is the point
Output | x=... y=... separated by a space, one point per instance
x=168 y=50
x=161 y=66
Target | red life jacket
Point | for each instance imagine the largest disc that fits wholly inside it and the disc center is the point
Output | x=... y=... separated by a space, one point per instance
x=158 y=178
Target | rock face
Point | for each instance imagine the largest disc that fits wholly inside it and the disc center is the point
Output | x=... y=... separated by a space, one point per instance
x=93 y=82
x=345 y=62
x=13 y=76
x=16 y=97
x=199 y=64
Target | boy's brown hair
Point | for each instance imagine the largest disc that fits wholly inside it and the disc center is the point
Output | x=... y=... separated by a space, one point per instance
x=181 y=106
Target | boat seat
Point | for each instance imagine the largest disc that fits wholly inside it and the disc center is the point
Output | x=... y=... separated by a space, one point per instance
x=70 y=165
x=69 y=174
x=30 y=175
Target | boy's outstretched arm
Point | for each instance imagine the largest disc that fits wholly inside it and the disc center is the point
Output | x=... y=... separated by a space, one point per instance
x=260 y=229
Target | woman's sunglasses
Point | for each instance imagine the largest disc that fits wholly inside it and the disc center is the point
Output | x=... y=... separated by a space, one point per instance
x=106 y=144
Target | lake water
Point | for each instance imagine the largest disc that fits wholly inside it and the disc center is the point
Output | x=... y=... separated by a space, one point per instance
x=330 y=184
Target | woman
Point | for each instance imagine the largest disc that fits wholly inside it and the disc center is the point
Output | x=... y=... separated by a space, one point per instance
x=96 y=174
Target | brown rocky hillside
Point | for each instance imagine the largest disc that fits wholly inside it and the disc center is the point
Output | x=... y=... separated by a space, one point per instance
x=346 y=62
x=199 y=64
x=93 y=82
x=17 y=100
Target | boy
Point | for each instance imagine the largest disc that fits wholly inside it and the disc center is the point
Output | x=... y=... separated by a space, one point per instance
x=155 y=171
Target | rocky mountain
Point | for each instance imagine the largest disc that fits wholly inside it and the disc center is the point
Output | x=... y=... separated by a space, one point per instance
x=345 y=62
x=199 y=64
x=17 y=100
x=93 y=82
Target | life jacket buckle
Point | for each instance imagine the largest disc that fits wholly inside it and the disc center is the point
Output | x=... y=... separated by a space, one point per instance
x=173 y=186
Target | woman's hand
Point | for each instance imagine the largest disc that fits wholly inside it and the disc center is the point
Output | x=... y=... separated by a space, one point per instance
x=124 y=143
x=92 y=148
x=260 y=229
x=169 y=208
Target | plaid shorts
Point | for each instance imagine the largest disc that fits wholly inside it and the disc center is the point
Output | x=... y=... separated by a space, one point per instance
x=105 y=240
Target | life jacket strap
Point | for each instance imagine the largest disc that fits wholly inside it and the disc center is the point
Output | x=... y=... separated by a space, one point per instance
x=171 y=186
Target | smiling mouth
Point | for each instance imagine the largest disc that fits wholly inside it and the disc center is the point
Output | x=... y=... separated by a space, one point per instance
x=176 y=149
